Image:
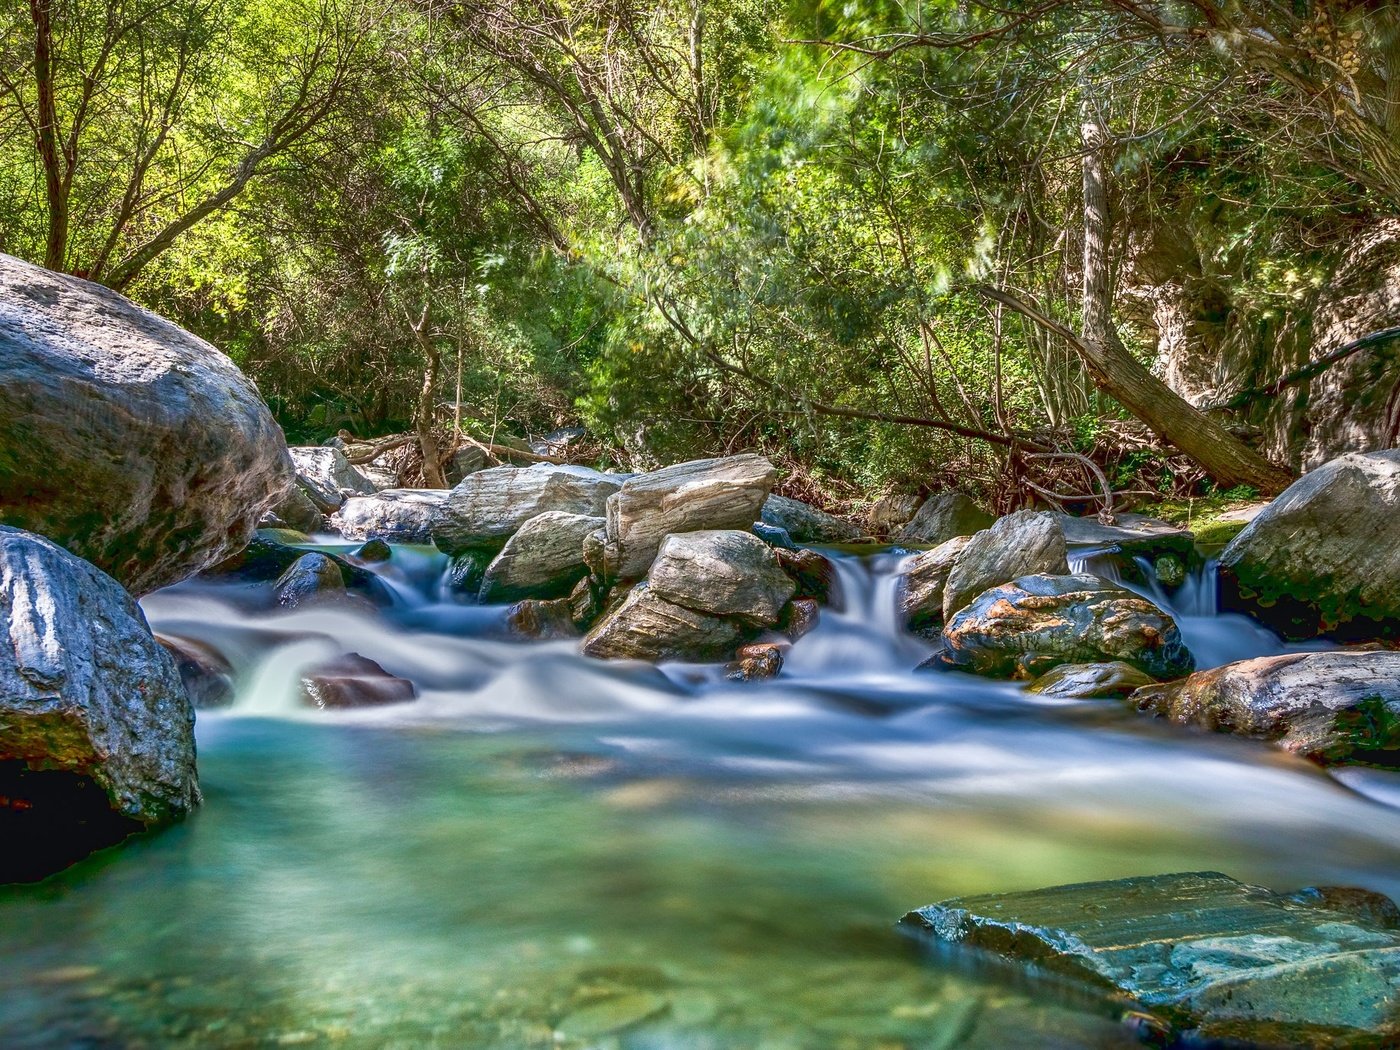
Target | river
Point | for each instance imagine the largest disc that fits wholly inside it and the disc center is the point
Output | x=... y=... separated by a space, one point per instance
x=544 y=850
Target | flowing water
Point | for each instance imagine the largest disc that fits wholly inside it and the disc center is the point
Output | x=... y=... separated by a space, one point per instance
x=544 y=850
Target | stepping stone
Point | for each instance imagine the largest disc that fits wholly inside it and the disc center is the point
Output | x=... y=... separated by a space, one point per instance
x=1200 y=951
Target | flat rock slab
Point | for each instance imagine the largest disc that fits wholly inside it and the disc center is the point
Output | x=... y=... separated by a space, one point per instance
x=1320 y=967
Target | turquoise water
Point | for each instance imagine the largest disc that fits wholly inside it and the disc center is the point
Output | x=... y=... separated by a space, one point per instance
x=545 y=851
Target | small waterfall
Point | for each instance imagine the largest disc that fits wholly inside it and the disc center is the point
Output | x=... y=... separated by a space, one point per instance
x=861 y=631
x=1102 y=562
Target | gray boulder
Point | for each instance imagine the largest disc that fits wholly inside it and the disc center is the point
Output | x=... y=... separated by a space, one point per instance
x=725 y=493
x=1114 y=679
x=920 y=591
x=542 y=560
x=1324 y=557
x=87 y=697
x=943 y=516
x=1027 y=627
x=327 y=477
x=1224 y=963
x=1329 y=706
x=393 y=515
x=648 y=627
x=1021 y=544
x=487 y=507
x=891 y=512
x=124 y=438
x=804 y=523
x=725 y=573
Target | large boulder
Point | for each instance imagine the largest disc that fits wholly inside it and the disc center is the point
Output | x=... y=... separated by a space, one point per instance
x=88 y=698
x=1329 y=706
x=943 y=516
x=487 y=507
x=542 y=560
x=804 y=523
x=725 y=493
x=124 y=438
x=920 y=591
x=1324 y=557
x=327 y=477
x=648 y=627
x=1021 y=544
x=392 y=515
x=1215 y=961
x=1032 y=624
x=723 y=573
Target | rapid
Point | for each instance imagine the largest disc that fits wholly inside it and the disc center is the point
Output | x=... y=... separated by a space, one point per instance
x=547 y=850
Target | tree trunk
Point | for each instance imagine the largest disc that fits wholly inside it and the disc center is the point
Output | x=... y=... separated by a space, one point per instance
x=55 y=184
x=425 y=418
x=1223 y=456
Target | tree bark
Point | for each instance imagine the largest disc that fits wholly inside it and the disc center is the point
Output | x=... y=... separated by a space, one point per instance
x=425 y=418
x=1223 y=456
x=55 y=182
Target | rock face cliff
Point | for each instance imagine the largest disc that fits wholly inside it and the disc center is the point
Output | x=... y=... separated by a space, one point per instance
x=1212 y=343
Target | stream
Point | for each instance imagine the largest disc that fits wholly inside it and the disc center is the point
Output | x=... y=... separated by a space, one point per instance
x=545 y=850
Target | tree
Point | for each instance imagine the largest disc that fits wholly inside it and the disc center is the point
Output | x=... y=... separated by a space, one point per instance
x=146 y=117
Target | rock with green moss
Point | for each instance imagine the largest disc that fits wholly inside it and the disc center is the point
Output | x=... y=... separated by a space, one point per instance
x=1330 y=706
x=1210 y=957
x=1026 y=627
x=1098 y=681
x=1324 y=558
x=87 y=696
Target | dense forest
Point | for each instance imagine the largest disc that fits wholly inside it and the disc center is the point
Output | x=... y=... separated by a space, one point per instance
x=895 y=245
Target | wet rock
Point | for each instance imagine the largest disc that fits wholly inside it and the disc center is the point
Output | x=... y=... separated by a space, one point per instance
x=1114 y=679
x=1329 y=706
x=543 y=560
x=1021 y=544
x=1325 y=556
x=373 y=552
x=755 y=662
x=352 y=680
x=646 y=626
x=722 y=573
x=542 y=620
x=395 y=515
x=775 y=537
x=296 y=511
x=465 y=572
x=266 y=559
x=813 y=573
x=327 y=477
x=1036 y=622
x=805 y=523
x=1213 y=957
x=96 y=730
x=311 y=577
x=706 y=494
x=123 y=438
x=486 y=508
x=799 y=617
x=920 y=591
x=207 y=676
x=943 y=516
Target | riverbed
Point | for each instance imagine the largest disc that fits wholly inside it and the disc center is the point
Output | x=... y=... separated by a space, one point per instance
x=544 y=850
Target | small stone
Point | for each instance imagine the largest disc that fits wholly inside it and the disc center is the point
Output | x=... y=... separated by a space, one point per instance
x=611 y=1015
x=1098 y=681
x=799 y=617
x=352 y=680
x=375 y=550
x=312 y=576
x=757 y=661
